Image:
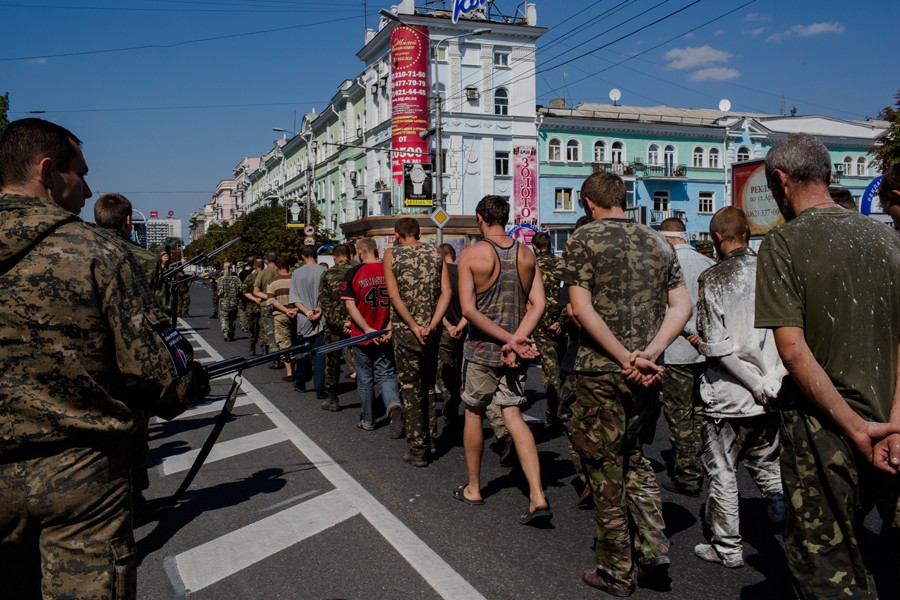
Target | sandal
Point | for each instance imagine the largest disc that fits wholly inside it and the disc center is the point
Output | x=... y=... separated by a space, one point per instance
x=460 y=494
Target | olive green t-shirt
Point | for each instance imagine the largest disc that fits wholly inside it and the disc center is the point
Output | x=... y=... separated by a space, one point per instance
x=836 y=274
x=263 y=279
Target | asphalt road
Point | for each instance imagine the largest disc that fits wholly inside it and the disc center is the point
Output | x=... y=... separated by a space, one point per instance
x=299 y=503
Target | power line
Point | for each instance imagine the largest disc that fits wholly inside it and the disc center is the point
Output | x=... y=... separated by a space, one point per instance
x=150 y=108
x=263 y=9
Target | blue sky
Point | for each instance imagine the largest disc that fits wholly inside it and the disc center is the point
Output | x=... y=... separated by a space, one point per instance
x=168 y=95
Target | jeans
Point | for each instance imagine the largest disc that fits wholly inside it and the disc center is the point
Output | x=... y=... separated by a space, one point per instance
x=317 y=364
x=375 y=364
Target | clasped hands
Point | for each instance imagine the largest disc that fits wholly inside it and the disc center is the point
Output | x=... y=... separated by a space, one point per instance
x=641 y=369
x=519 y=346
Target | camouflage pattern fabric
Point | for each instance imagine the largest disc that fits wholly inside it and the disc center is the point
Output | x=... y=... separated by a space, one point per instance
x=629 y=270
x=182 y=293
x=334 y=311
x=251 y=316
x=564 y=414
x=607 y=419
x=683 y=409
x=553 y=313
x=267 y=326
x=550 y=346
x=416 y=370
x=152 y=269
x=214 y=284
x=417 y=270
x=449 y=378
x=824 y=508
x=229 y=287
x=333 y=359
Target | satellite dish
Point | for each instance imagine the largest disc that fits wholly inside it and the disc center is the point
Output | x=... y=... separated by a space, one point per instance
x=724 y=104
x=614 y=95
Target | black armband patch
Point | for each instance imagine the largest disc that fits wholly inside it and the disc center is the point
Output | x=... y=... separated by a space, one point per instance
x=180 y=350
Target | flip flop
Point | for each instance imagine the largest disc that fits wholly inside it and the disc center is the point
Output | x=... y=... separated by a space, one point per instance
x=460 y=494
x=539 y=516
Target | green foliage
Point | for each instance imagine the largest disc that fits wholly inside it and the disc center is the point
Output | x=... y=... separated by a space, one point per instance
x=887 y=151
x=4 y=107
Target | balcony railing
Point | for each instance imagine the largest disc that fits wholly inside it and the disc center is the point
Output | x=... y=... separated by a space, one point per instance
x=658 y=216
x=663 y=170
x=619 y=168
x=640 y=169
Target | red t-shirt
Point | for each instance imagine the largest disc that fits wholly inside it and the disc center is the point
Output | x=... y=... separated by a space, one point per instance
x=364 y=284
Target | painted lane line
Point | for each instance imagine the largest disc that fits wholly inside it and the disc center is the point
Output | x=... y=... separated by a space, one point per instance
x=206 y=408
x=224 y=450
x=217 y=559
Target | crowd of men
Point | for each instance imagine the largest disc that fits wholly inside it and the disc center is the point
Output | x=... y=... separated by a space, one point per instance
x=785 y=360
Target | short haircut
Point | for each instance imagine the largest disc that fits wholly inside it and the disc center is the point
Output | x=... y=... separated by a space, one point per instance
x=283 y=262
x=583 y=220
x=351 y=248
x=842 y=197
x=259 y=263
x=800 y=156
x=890 y=183
x=606 y=190
x=541 y=240
x=341 y=250
x=731 y=223
x=24 y=143
x=493 y=210
x=672 y=224
x=367 y=244
x=447 y=250
x=407 y=227
x=308 y=252
x=271 y=257
x=111 y=211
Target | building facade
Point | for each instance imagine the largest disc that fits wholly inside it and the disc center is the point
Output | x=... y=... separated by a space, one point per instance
x=159 y=230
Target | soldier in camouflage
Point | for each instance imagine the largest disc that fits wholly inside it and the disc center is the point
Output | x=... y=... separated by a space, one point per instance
x=628 y=294
x=229 y=290
x=214 y=284
x=251 y=311
x=337 y=321
x=260 y=283
x=182 y=293
x=419 y=289
x=84 y=345
x=549 y=335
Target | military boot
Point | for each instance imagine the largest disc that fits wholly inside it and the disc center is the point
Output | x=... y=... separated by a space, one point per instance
x=331 y=403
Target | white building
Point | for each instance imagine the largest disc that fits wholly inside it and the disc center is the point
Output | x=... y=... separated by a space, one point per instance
x=159 y=230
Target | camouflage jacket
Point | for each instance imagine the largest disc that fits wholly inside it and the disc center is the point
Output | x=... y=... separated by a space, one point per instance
x=229 y=288
x=550 y=278
x=252 y=308
x=333 y=308
x=417 y=270
x=152 y=268
x=82 y=338
x=629 y=270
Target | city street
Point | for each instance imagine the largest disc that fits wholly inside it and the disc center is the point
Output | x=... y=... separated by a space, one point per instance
x=297 y=502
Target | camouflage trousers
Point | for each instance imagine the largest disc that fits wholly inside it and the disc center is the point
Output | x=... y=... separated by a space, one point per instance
x=267 y=327
x=607 y=421
x=184 y=299
x=65 y=525
x=683 y=409
x=566 y=399
x=215 y=301
x=333 y=359
x=726 y=442
x=550 y=346
x=829 y=490
x=227 y=317
x=416 y=371
x=252 y=327
x=450 y=352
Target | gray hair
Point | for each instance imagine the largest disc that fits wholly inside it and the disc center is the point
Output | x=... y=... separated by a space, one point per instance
x=802 y=157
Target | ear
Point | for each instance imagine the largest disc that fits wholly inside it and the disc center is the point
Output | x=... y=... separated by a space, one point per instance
x=46 y=172
x=718 y=237
x=783 y=178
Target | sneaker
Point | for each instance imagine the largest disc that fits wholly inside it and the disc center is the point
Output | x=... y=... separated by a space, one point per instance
x=330 y=404
x=396 y=427
x=596 y=580
x=299 y=386
x=708 y=552
x=366 y=426
x=416 y=458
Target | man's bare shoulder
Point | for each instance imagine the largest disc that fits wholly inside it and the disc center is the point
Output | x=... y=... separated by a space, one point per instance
x=476 y=252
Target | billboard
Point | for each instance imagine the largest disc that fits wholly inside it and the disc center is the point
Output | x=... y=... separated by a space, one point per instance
x=750 y=192
x=524 y=200
x=417 y=185
x=294 y=216
x=409 y=98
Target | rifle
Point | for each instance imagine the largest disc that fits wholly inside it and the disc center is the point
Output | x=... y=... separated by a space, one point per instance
x=199 y=258
x=236 y=364
x=193 y=278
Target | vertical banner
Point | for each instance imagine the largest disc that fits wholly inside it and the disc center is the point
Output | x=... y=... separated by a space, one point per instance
x=409 y=98
x=525 y=192
x=750 y=193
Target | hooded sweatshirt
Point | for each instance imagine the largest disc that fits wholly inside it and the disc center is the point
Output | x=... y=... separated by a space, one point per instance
x=81 y=342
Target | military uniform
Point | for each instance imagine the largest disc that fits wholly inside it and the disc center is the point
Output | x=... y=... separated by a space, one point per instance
x=550 y=344
x=334 y=311
x=266 y=320
x=417 y=270
x=83 y=345
x=182 y=292
x=214 y=284
x=229 y=292
x=629 y=270
x=251 y=315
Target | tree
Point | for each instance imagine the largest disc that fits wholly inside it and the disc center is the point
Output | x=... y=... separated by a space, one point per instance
x=4 y=107
x=887 y=147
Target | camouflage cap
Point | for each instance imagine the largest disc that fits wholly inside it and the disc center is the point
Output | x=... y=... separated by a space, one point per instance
x=704 y=246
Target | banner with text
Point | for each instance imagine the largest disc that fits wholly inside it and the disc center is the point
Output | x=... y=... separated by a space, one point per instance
x=409 y=98
x=750 y=193
x=525 y=191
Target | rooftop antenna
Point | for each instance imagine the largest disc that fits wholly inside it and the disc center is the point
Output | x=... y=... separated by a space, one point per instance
x=724 y=104
x=614 y=95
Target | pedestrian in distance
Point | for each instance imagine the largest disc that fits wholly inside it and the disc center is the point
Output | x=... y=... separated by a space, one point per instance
x=252 y=310
x=229 y=290
x=337 y=321
x=284 y=316
x=266 y=321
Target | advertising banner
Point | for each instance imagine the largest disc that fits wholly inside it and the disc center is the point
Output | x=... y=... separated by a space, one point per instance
x=294 y=216
x=417 y=185
x=750 y=192
x=525 y=192
x=409 y=98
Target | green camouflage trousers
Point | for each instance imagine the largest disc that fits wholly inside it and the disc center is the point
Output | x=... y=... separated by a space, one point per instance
x=252 y=324
x=683 y=409
x=828 y=490
x=566 y=399
x=227 y=317
x=333 y=359
x=416 y=371
x=607 y=421
x=550 y=346
x=449 y=380
x=184 y=298
x=65 y=526
x=267 y=327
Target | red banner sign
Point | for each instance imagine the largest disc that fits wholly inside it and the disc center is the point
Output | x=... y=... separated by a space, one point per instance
x=525 y=191
x=750 y=193
x=409 y=98
x=154 y=214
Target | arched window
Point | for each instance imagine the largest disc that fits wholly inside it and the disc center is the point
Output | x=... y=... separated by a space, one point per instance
x=669 y=159
x=501 y=102
x=713 y=158
x=618 y=152
x=653 y=154
x=698 y=156
x=861 y=167
x=743 y=154
x=599 y=151
x=554 y=149
x=848 y=166
x=572 y=151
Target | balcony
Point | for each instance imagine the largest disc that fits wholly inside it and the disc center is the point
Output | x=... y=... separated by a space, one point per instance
x=663 y=171
x=658 y=216
x=639 y=169
x=619 y=168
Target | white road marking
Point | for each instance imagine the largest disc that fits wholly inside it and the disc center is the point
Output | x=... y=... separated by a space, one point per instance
x=223 y=450
x=209 y=407
x=353 y=497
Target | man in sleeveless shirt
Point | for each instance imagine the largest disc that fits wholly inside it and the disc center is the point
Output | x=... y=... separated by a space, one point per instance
x=503 y=300
x=419 y=289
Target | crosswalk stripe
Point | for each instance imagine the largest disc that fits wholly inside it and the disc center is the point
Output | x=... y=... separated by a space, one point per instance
x=223 y=450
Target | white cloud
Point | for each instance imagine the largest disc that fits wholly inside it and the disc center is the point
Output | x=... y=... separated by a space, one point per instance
x=757 y=31
x=807 y=31
x=688 y=58
x=756 y=17
x=716 y=74
x=37 y=61
x=719 y=32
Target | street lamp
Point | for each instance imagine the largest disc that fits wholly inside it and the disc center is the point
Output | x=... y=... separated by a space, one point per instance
x=311 y=147
x=438 y=130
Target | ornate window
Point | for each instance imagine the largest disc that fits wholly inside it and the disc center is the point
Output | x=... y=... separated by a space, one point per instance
x=653 y=154
x=861 y=167
x=618 y=152
x=599 y=151
x=698 y=156
x=572 y=151
x=713 y=158
x=501 y=102
x=743 y=154
x=554 y=149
